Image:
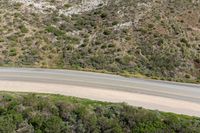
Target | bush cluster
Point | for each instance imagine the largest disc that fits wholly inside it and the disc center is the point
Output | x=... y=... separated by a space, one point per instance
x=42 y=113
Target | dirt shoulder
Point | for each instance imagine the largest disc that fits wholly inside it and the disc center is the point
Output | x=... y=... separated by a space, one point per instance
x=146 y=101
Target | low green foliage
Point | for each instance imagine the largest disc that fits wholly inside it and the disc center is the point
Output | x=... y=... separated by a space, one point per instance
x=42 y=113
x=55 y=31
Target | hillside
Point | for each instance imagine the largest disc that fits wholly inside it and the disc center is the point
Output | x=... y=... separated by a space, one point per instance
x=157 y=38
x=43 y=113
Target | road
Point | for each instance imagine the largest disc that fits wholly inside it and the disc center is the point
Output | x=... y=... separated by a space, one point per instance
x=160 y=95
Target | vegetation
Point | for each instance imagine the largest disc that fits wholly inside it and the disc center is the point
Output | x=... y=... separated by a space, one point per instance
x=156 y=39
x=43 y=113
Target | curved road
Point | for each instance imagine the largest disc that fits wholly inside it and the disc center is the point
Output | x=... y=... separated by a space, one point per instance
x=165 y=96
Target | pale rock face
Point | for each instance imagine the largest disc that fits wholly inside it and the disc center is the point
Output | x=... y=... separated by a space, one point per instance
x=123 y=25
x=38 y=5
x=84 y=6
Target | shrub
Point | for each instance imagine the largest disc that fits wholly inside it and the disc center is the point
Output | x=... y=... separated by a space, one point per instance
x=23 y=29
x=81 y=115
x=13 y=52
x=55 y=31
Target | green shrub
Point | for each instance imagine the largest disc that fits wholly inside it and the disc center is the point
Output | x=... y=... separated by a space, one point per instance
x=13 y=52
x=55 y=31
x=23 y=29
x=25 y=113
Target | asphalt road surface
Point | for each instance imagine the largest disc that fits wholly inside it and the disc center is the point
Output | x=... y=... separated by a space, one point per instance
x=165 y=96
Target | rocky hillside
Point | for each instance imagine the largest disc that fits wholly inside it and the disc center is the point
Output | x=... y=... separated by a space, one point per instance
x=146 y=38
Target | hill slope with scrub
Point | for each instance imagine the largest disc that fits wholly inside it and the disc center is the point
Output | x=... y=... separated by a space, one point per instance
x=158 y=38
